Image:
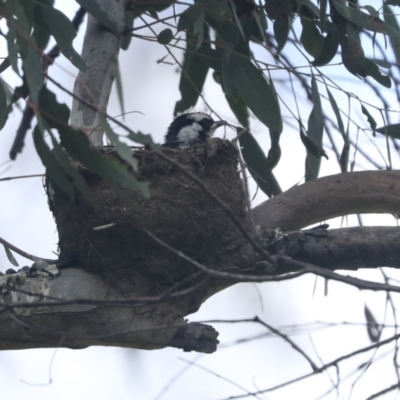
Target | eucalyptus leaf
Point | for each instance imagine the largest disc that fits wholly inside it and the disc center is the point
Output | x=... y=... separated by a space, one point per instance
x=258 y=164
x=189 y=17
x=359 y=18
x=255 y=90
x=194 y=73
x=373 y=328
x=315 y=131
x=390 y=130
x=373 y=72
x=5 y=64
x=329 y=45
x=311 y=38
x=344 y=157
x=58 y=25
x=79 y=147
x=54 y=170
x=123 y=149
x=370 y=119
x=10 y=256
x=3 y=106
x=239 y=108
x=391 y=20
x=118 y=83
x=336 y=110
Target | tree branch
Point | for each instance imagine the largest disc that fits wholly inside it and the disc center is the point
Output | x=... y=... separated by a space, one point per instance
x=329 y=197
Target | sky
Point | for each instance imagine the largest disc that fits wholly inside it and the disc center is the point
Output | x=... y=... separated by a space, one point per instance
x=150 y=92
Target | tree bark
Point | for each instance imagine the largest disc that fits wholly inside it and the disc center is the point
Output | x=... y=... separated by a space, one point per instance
x=329 y=197
x=100 y=53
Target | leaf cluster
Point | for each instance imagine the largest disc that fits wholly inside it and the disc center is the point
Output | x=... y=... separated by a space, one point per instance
x=220 y=36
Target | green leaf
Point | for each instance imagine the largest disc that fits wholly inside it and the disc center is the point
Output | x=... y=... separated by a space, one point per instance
x=237 y=20
x=373 y=328
x=344 y=157
x=92 y=7
x=352 y=52
x=33 y=73
x=281 y=13
x=123 y=149
x=257 y=93
x=393 y=2
x=3 y=106
x=118 y=82
x=226 y=74
x=12 y=48
x=239 y=108
x=189 y=17
x=198 y=29
x=336 y=110
x=322 y=12
x=329 y=46
x=144 y=139
x=70 y=170
x=10 y=256
x=359 y=18
x=281 y=31
x=381 y=63
x=311 y=38
x=258 y=165
x=372 y=11
x=165 y=36
x=311 y=146
x=20 y=91
x=261 y=22
x=5 y=64
x=390 y=130
x=79 y=147
x=194 y=73
x=126 y=39
x=315 y=131
x=19 y=13
x=40 y=36
x=370 y=119
x=58 y=25
x=373 y=72
x=394 y=38
x=56 y=173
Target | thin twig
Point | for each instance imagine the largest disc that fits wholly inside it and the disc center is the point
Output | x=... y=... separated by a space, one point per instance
x=25 y=254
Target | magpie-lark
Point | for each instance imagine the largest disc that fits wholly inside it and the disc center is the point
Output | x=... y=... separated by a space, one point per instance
x=190 y=128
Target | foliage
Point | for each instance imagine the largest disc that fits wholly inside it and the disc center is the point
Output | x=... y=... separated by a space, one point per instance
x=222 y=36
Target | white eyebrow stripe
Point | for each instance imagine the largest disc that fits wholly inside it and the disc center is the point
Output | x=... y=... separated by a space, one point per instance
x=199 y=116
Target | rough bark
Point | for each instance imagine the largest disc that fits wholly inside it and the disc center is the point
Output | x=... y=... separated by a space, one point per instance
x=329 y=197
x=81 y=310
x=100 y=53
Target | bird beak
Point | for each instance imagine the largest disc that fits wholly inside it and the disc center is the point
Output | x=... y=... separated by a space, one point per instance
x=217 y=124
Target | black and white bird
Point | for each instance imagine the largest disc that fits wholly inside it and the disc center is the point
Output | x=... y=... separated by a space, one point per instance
x=187 y=129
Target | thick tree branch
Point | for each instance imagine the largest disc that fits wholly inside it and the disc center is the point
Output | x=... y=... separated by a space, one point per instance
x=100 y=53
x=342 y=249
x=329 y=197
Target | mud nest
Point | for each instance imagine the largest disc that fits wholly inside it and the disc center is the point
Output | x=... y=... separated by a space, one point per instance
x=179 y=212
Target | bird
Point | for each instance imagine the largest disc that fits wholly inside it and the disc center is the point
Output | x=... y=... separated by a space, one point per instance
x=190 y=128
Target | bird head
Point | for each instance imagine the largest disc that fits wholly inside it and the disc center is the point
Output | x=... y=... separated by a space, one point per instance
x=187 y=129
